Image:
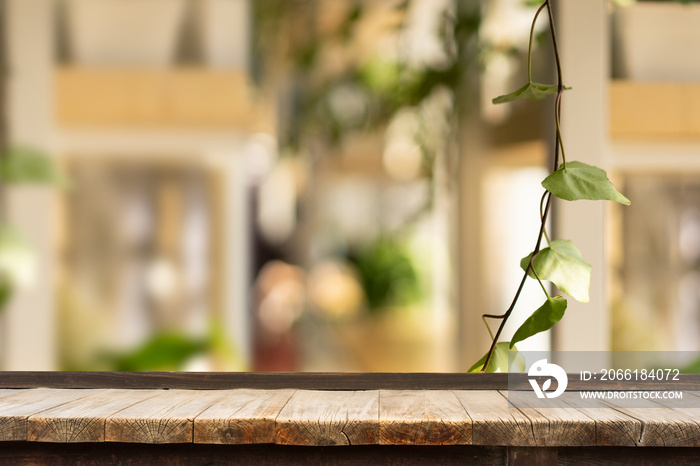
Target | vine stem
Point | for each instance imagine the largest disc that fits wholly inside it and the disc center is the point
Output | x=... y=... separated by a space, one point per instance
x=544 y=196
x=488 y=327
x=538 y=278
x=547 y=208
x=561 y=144
x=529 y=47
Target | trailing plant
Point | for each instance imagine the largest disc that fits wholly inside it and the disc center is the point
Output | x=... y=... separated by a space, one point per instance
x=560 y=261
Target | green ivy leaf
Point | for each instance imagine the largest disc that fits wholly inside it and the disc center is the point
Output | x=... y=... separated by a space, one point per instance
x=562 y=264
x=531 y=90
x=581 y=181
x=21 y=165
x=542 y=319
x=499 y=360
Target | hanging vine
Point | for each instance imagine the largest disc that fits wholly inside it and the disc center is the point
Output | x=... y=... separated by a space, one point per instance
x=560 y=261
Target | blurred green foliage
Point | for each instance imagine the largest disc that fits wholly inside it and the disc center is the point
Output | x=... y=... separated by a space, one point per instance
x=172 y=350
x=5 y=292
x=23 y=165
x=168 y=351
x=387 y=274
x=692 y=368
x=383 y=85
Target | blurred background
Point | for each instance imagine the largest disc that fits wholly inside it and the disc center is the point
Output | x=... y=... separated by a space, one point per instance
x=324 y=185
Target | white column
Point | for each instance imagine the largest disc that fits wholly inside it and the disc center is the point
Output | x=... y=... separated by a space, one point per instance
x=472 y=300
x=583 y=32
x=236 y=263
x=29 y=322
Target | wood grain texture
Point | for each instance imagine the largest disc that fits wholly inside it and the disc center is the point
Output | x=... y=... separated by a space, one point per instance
x=688 y=404
x=166 y=418
x=255 y=380
x=493 y=422
x=98 y=454
x=692 y=395
x=16 y=408
x=82 y=420
x=313 y=417
x=422 y=417
x=241 y=416
x=558 y=425
x=309 y=380
x=29 y=453
x=527 y=456
x=660 y=426
x=619 y=456
x=10 y=391
x=612 y=427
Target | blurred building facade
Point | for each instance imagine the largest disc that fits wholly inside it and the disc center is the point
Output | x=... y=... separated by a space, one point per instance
x=323 y=185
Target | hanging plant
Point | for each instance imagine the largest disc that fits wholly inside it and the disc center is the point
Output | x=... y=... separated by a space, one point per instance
x=560 y=261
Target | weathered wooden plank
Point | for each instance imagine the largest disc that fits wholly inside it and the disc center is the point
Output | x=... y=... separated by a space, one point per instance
x=527 y=456
x=313 y=417
x=559 y=425
x=613 y=428
x=493 y=422
x=311 y=381
x=11 y=391
x=82 y=420
x=422 y=417
x=332 y=418
x=242 y=416
x=648 y=456
x=16 y=408
x=689 y=404
x=689 y=408
x=255 y=380
x=95 y=454
x=660 y=426
x=166 y=418
x=28 y=453
x=691 y=400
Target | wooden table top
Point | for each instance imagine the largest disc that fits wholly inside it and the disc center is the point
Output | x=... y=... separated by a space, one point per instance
x=315 y=417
